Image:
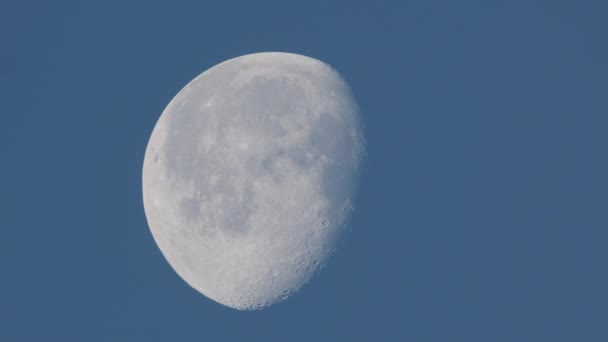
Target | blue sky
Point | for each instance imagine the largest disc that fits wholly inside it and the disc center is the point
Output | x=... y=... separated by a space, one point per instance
x=482 y=210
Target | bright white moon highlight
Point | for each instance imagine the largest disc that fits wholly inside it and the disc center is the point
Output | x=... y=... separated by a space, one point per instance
x=249 y=176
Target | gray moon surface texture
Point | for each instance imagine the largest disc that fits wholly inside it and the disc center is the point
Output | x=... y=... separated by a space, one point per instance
x=250 y=174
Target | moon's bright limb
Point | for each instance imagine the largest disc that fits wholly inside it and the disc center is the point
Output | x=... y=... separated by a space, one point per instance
x=249 y=176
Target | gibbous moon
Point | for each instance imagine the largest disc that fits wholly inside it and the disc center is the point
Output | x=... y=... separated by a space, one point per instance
x=249 y=176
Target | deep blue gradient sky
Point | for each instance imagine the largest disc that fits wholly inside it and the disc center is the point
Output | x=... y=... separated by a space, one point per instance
x=483 y=210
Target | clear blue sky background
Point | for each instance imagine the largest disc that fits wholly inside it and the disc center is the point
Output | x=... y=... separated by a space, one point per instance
x=483 y=210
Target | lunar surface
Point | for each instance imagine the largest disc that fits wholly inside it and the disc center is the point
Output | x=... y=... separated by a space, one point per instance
x=249 y=176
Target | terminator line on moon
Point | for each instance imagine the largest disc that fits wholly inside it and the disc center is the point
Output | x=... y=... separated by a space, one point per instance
x=249 y=176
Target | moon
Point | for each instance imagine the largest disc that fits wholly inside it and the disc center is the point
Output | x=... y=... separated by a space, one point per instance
x=250 y=175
